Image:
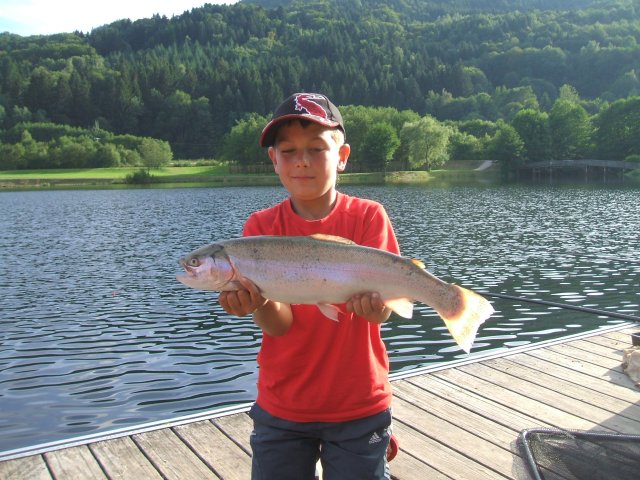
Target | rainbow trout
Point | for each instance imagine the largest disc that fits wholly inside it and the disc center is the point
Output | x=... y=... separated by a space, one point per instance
x=326 y=271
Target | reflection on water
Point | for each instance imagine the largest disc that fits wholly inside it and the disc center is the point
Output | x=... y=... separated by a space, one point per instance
x=97 y=334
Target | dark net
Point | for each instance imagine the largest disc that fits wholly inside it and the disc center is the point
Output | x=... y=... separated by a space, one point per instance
x=562 y=454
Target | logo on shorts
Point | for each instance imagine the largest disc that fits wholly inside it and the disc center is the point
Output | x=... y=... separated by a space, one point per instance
x=375 y=438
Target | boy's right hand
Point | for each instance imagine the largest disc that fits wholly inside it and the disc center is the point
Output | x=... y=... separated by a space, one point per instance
x=244 y=301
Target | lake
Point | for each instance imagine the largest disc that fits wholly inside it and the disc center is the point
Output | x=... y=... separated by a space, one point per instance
x=96 y=333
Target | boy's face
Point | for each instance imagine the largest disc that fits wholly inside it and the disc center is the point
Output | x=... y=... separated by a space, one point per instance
x=308 y=159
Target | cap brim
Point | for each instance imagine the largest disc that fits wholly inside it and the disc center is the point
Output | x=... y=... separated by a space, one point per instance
x=267 y=137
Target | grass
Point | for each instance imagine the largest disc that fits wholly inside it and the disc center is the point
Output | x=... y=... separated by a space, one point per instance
x=211 y=174
x=110 y=173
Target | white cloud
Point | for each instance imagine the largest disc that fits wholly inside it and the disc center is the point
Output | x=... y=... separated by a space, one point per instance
x=44 y=17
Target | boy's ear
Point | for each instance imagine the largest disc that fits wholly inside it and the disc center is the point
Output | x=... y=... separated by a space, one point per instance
x=272 y=155
x=343 y=152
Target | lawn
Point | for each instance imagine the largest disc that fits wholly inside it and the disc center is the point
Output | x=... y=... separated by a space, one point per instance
x=221 y=175
x=110 y=173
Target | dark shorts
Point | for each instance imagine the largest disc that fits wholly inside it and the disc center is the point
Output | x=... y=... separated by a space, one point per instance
x=347 y=450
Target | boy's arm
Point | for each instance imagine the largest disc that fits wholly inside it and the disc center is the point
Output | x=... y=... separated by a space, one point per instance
x=274 y=318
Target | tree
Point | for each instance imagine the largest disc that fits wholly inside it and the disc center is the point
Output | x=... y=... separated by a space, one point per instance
x=533 y=128
x=508 y=149
x=241 y=144
x=106 y=155
x=617 y=129
x=571 y=130
x=35 y=153
x=463 y=146
x=155 y=153
x=357 y=122
x=12 y=157
x=626 y=85
x=41 y=92
x=569 y=93
x=72 y=152
x=380 y=143
x=426 y=143
x=510 y=101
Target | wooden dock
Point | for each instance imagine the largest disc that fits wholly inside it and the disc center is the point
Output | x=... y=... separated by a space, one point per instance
x=454 y=422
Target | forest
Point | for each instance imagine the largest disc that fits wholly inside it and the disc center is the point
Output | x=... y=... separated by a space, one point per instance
x=419 y=82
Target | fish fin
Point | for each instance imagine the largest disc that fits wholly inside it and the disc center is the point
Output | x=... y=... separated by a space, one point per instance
x=419 y=263
x=402 y=306
x=329 y=311
x=473 y=310
x=231 y=286
x=332 y=238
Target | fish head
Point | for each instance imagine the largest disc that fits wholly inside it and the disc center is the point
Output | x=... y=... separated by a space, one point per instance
x=208 y=268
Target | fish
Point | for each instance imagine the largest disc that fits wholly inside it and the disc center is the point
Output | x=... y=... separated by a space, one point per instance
x=327 y=271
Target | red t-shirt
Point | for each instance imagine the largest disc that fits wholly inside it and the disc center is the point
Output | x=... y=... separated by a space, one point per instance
x=322 y=370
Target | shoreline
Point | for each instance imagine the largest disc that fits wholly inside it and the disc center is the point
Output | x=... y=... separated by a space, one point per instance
x=454 y=173
x=57 y=179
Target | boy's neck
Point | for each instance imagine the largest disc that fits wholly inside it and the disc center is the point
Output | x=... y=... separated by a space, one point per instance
x=315 y=209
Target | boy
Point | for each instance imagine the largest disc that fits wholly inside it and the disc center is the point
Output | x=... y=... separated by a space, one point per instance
x=323 y=388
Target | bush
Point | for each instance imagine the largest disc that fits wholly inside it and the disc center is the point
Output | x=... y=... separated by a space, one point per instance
x=155 y=153
x=141 y=177
x=12 y=157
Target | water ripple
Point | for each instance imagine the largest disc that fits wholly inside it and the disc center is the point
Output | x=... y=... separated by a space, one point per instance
x=97 y=334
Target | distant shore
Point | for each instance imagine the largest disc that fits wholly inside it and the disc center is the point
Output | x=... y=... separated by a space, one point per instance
x=219 y=176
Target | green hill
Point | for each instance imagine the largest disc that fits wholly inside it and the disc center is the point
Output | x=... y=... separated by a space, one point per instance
x=189 y=79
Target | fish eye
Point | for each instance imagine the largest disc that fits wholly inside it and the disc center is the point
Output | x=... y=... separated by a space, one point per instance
x=193 y=262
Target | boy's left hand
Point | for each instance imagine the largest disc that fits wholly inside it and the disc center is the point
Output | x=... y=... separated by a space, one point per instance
x=369 y=306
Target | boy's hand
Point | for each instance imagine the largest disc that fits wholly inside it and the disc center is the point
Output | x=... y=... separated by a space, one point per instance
x=274 y=318
x=242 y=302
x=369 y=306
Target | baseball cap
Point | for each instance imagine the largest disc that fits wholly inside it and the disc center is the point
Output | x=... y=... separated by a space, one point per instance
x=314 y=107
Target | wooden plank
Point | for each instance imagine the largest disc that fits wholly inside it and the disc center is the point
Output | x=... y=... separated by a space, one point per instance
x=408 y=467
x=553 y=394
x=521 y=403
x=238 y=428
x=564 y=373
x=614 y=344
x=121 y=458
x=485 y=453
x=483 y=427
x=171 y=456
x=74 y=463
x=584 y=356
x=486 y=407
x=580 y=390
x=595 y=348
x=623 y=335
x=497 y=416
x=227 y=459
x=440 y=457
x=27 y=468
x=613 y=376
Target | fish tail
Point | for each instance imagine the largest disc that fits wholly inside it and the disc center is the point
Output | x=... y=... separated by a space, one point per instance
x=463 y=321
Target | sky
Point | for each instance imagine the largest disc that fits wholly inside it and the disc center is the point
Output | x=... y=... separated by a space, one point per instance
x=44 y=17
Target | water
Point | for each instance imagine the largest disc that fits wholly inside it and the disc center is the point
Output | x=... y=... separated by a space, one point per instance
x=97 y=334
